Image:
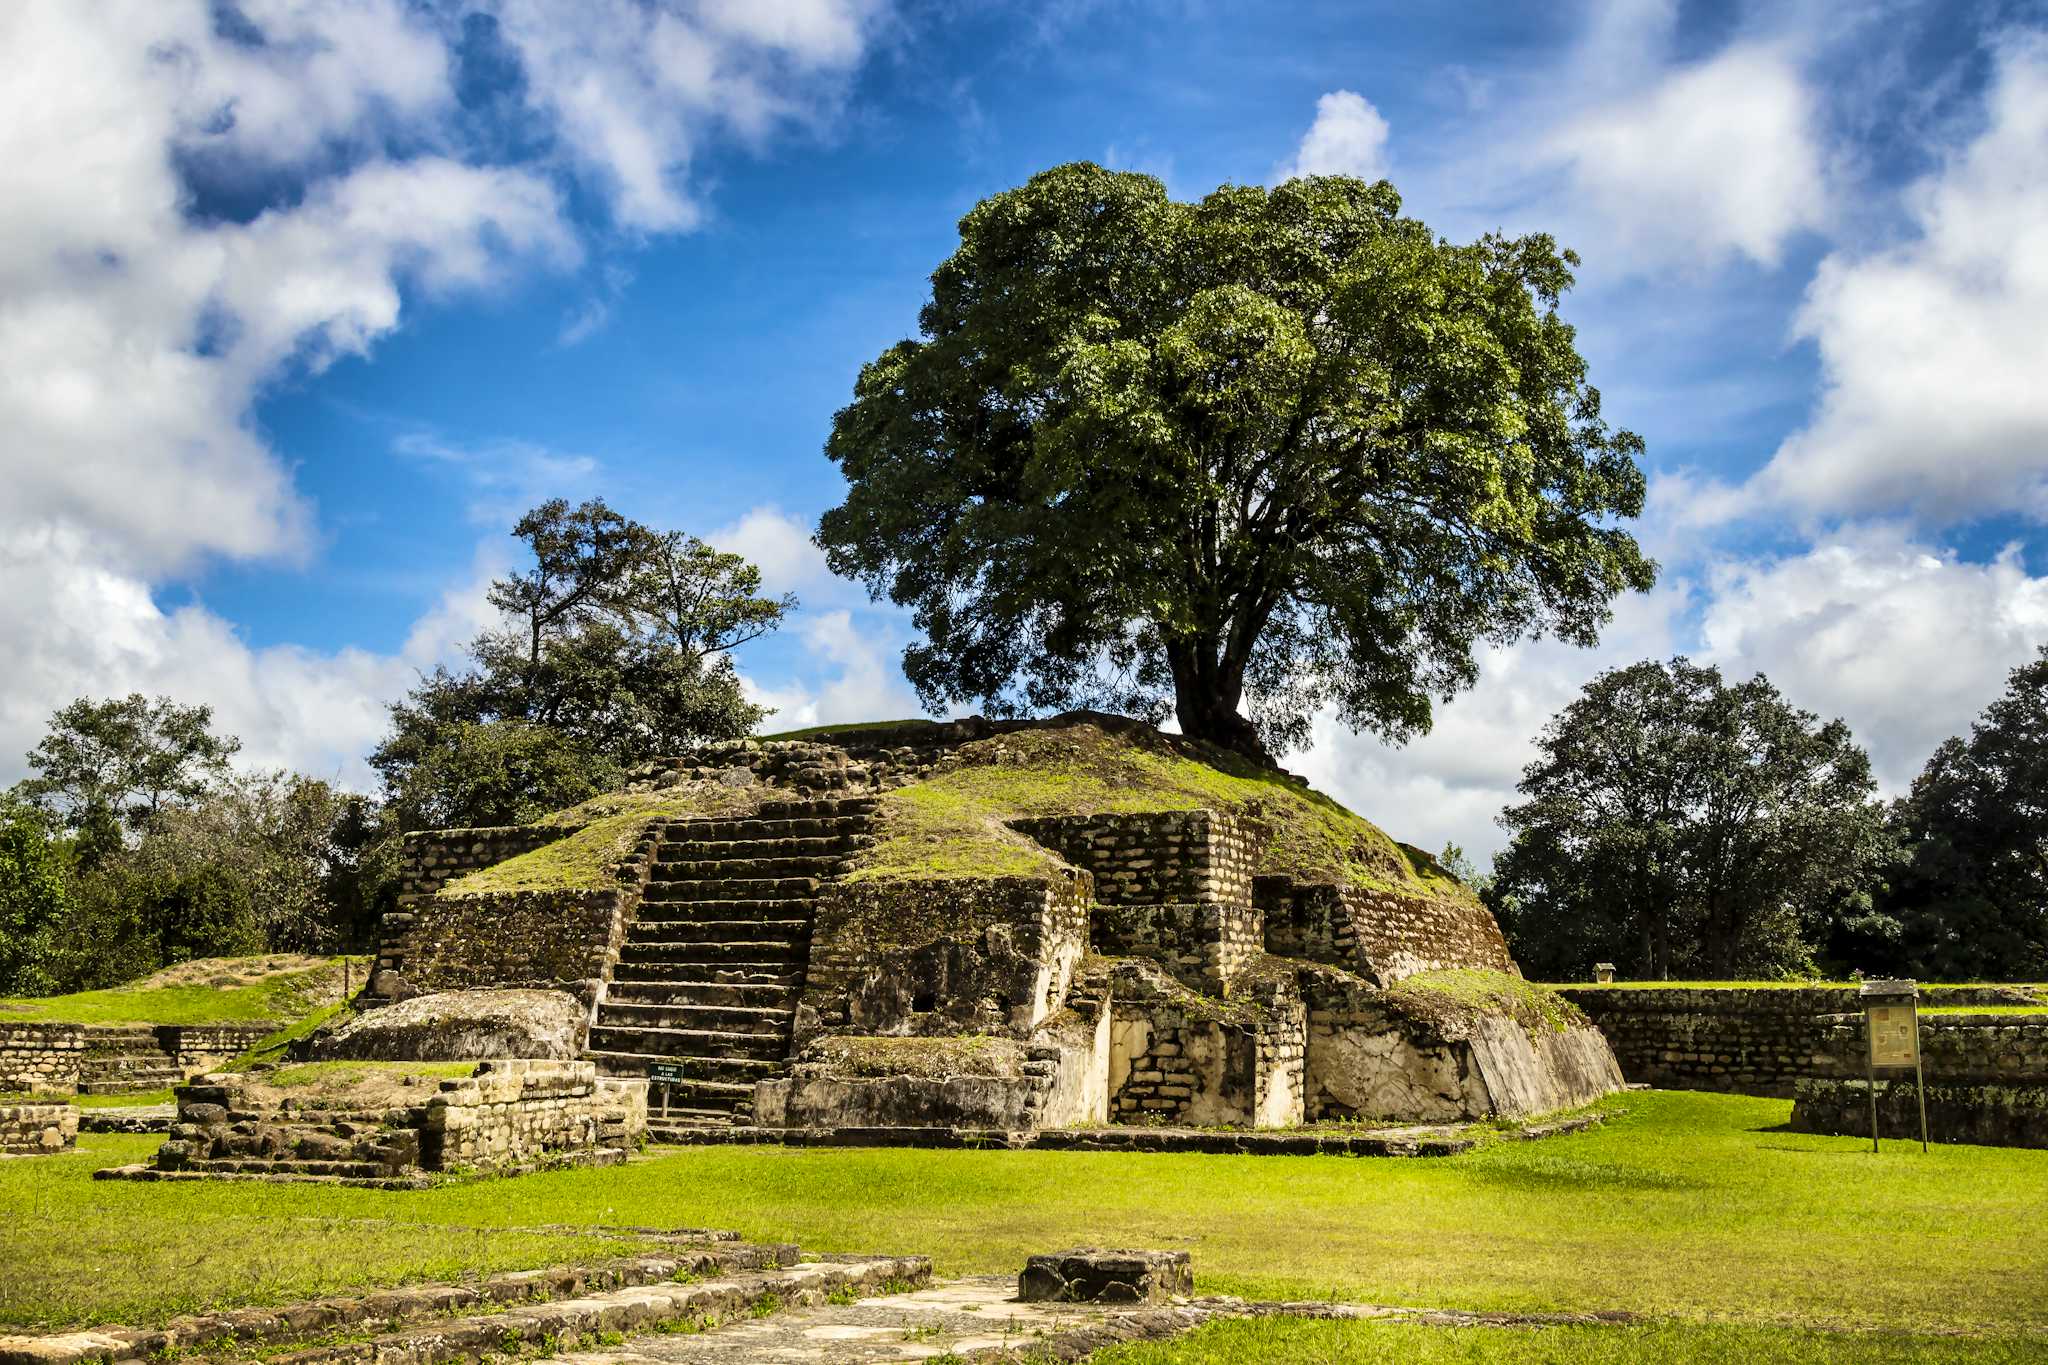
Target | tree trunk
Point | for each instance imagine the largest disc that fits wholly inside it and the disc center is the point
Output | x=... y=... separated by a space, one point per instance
x=1205 y=697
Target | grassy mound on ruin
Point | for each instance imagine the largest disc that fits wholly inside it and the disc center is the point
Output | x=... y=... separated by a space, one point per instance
x=213 y=990
x=607 y=828
x=1454 y=999
x=955 y=824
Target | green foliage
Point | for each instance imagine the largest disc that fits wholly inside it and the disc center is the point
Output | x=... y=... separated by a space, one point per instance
x=613 y=646
x=1972 y=896
x=34 y=900
x=1678 y=823
x=127 y=758
x=1282 y=448
x=611 y=826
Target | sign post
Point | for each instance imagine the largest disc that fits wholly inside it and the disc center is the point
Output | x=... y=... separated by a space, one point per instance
x=1891 y=1025
x=666 y=1074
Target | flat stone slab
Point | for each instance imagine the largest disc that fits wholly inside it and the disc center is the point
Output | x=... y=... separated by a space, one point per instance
x=128 y=1118
x=958 y=1318
x=1096 y=1275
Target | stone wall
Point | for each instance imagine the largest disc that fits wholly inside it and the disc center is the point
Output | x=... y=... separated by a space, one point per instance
x=1176 y=1057
x=1990 y=1114
x=1158 y=858
x=108 y=1058
x=37 y=1128
x=1368 y=1059
x=1765 y=1041
x=544 y=940
x=1384 y=936
x=512 y=1113
x=944 y=955
x=435 y=857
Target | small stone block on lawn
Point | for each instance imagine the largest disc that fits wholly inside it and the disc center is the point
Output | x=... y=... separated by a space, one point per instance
x=1093 y=1275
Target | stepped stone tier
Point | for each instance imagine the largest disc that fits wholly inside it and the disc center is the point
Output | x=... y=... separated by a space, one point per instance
x=747 y=953
x=116 y=1059
x=395 y=1130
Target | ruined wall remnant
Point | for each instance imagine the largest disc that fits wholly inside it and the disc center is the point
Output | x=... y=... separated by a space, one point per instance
x=944 y=955
x=1384 y=936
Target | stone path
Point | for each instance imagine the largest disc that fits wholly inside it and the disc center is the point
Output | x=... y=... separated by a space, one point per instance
x=960 y=1317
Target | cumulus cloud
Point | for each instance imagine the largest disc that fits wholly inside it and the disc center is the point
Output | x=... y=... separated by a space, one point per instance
x=1709 y=161
x=633 y=90
x=1348 y=137
x=141 y=329
x=864 y=682
x=1933 y=349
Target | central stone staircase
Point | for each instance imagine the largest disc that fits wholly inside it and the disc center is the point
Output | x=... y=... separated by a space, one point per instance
x=706 y=985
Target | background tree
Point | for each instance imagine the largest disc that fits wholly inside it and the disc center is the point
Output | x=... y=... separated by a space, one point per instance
x=35 y=900
x=1971 y=898
x=614 y=646
x=1273 y=450
x=1677 y=823
x=114 y=764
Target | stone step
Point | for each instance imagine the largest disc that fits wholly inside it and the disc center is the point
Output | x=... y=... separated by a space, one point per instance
x=718 y=1018
x=688 y=869
x=830 y=826
x=667 y=912
x=680 y=1118
x=734 y=889
x=658 y=972
x=768 y=953
x=772 y=997
x=831 y=805
x=835 y=847
x=719 y=930
x=708 y=1046
x=625 y=1052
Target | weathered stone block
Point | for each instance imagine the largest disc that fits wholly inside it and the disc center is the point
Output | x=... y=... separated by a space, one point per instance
x=1095 y=1275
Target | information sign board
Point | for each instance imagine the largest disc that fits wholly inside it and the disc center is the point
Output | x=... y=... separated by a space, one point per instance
x=665 y=1071
x=1894 y=1035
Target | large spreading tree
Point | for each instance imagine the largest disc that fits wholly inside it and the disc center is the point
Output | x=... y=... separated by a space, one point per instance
x=1675 y=822
x=1263 y=453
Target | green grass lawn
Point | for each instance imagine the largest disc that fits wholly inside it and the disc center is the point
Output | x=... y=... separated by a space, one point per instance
x=191 y=994
x=1687 y=1206
x=1293 y=1341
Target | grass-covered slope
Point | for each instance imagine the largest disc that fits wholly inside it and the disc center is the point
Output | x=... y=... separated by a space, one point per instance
x=955 y=824
x=607 y=828
x=214 y=990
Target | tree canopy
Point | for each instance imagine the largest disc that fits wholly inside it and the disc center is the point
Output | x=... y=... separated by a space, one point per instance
x=1274 y=450
x=1971 y=899
x=613 y=646
x=1678 y=823
x=123 y=759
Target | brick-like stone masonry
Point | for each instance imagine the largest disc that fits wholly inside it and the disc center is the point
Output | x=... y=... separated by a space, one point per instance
x=1384 y=936
x=1174 y=886
x=116 y=1058
x=989 y=955
x=37 y=1128
x=1176 y=1058
x=1764 y=1042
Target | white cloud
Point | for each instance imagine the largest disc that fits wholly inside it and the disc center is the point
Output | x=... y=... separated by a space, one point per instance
x=507 y=477
x=140 y=336
x=1905 y=641
x=867 y=684
x=781 y=546
x=634 y=90
x=1712 y=160
x=1348 y=137
x=1934 y=350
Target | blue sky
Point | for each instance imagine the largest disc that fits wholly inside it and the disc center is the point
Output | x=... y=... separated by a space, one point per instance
x=305 y=302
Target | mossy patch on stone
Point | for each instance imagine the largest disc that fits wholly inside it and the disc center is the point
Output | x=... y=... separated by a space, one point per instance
x=607 y=829
x=1457 y=997
x=955 y=824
